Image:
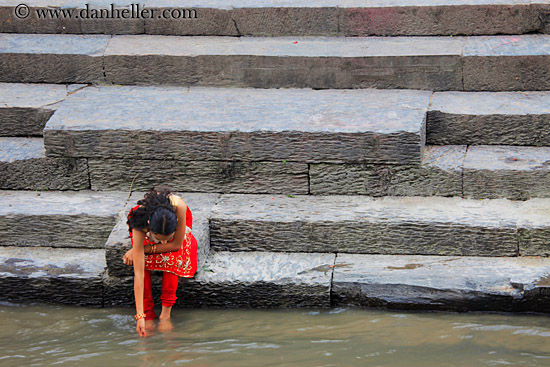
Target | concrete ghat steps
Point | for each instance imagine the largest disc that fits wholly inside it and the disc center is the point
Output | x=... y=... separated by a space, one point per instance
x=391 y=225
x=25 y=108
x=485 y=63
x=481 y=172
x=52 y=275
x=442 y=283
x=502 y=118
x=58 y=219
x=304 y=17
x=24 y=166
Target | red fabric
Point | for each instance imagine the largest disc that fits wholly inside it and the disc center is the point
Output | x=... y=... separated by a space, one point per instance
x=183 y=262
x=167 y=297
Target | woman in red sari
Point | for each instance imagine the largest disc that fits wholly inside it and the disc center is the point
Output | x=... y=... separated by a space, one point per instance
x=160 y=229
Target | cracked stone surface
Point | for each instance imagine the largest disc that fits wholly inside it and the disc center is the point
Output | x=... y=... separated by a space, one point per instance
x=59 y=219
x=445 y=283
x=119 y=241
x=482 y=118
x=67 y=276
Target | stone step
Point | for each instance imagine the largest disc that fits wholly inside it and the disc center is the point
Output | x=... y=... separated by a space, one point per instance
x=218 y=139
x=279 y=18
x=513 y=172
x=254 y=279
x=119 y=241
x=52 y=275
x=25 y=108
x=59 y=219
x=390 y=225
x=484 y=63
x=442 y=283
x=501 y=118
x=24 y=166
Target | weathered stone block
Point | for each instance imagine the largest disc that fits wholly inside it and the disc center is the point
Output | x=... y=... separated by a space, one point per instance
x=440 y=174
x=197 y=21
x=67 y=276
x=533 y=231
x=432 y=64
x=501 y=118
x=41 y=58
x=205 y=176
x=23 y=166
x=355 y=224
x=507 y=63
x=437 y=19
x=58 y=219
x=516 y=173
x=259 y=125
x=440 y=283
x=119 y=240
x=25 y=108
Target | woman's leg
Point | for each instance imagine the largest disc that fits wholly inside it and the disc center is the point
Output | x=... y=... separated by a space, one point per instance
x=168 y=296
x=148 y=302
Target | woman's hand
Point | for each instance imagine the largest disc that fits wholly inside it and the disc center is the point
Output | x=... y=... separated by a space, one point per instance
x=128 y=257
x=140 y=327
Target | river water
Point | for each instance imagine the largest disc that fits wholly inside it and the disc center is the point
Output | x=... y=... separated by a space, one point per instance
x=45 y=335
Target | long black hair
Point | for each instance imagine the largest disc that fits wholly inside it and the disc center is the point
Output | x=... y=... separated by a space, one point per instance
x=155 y=212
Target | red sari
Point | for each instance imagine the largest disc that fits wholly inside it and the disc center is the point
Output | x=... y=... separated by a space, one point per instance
x=183 y=262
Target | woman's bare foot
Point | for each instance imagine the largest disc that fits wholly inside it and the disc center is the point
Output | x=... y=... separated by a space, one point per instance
x=149 y=325
x=165 y=324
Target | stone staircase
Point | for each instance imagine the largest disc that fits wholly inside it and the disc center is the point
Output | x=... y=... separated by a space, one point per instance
x=323 y=167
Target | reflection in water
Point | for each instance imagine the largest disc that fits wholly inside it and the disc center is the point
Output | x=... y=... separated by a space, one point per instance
x=53 y=335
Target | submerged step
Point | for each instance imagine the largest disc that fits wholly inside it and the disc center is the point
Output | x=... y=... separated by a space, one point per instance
x=119 y=240
x=483 y=118
x=259 y=280
x=428 y=63
x=276 y=18
x=25 y=108
x=53 y=275
x=290 y=126
x=442 y=283
x=391 y=225
x=24 y=166
x=59 y=219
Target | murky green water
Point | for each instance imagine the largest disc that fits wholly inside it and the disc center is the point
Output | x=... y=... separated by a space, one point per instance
x=66 y=336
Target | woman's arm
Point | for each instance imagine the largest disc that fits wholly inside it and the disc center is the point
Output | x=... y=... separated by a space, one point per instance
x=139 y=276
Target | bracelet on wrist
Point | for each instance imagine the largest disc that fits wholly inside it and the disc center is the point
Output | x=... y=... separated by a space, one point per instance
x=139 y=316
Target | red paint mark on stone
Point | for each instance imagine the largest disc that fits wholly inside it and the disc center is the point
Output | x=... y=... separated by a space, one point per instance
x=295 y=42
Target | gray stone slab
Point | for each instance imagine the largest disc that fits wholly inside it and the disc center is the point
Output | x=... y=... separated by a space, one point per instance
x=67 y=276
x=203 y=176
x=440 y=174
x=25 y=108
x=436 y=18
x=532 y=229
x=485 y=118
x=516 y=173
x=51 y=58
x=441 y=283
x=240 y=125
x=119 y=241
x=359 y=224
x=24 y=166
x=58 y=219
x=261 y=280
x=259 y=62
x=507 y=63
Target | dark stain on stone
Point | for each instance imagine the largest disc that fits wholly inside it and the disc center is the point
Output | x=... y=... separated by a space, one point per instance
x=406 y=267
x=323 y=268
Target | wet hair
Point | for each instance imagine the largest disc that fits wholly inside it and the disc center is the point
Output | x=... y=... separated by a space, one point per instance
x=155 y=212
